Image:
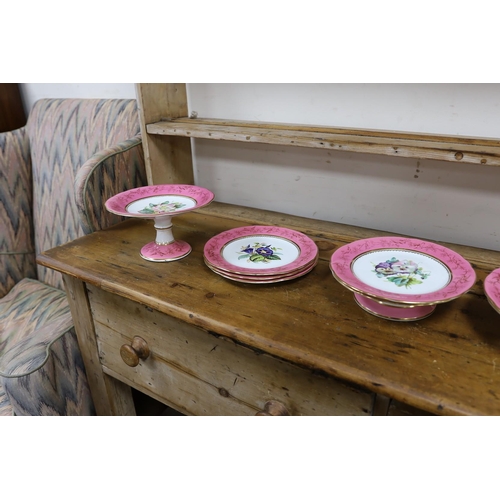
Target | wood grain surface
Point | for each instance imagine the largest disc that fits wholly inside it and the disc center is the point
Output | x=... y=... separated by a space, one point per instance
x=204 y=374
x=168 y=159
x=444 y=364
x=391 y=143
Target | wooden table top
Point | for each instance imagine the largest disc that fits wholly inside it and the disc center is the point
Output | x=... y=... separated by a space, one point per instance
x=444 y=364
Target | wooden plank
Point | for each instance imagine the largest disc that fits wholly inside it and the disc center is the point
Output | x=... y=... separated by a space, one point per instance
x=429 y=146
x=119 y=396
x=460 y=139
x=445 y=364
x=380 y=405
x=168 y=159
x=110 y=396
x=234 y=373
x=398 y=409
x=327 y=235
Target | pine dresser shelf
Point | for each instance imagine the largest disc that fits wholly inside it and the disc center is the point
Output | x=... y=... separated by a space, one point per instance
x=210 y=346
x=219 y=347
x=455 y=149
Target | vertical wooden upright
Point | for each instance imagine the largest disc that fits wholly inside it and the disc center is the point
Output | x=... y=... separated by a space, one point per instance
x=110 y=396
x=168 y=159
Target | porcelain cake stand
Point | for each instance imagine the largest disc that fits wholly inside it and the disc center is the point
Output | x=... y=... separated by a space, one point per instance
x=160 y=203
x=401 y=279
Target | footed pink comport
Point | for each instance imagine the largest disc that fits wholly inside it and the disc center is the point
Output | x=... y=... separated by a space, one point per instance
x=400 y=278
x=160 y=203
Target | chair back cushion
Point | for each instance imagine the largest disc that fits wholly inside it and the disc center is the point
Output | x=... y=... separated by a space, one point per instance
x=64 y=134
x=17 y=253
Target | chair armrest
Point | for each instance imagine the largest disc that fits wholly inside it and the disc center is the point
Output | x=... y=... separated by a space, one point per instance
x=32 y=317
x=41 y=367
x=107 y=173
x=17 y=255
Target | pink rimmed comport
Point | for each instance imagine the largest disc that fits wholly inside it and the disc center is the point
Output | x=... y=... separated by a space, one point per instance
x=161 y=202
x=401 y=278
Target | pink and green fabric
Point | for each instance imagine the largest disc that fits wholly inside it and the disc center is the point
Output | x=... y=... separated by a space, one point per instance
x=55 y=175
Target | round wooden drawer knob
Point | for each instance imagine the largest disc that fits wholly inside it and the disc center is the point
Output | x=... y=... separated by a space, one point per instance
x=273 y=409
x=133 y=353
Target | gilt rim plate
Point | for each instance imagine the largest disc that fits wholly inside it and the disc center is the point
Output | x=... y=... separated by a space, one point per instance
x=402 y=270
x=260 y=251
x=492 y=289
x=159 y=200
x=265 y=279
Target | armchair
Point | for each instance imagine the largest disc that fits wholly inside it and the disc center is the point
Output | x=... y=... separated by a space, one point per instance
x=55 y=174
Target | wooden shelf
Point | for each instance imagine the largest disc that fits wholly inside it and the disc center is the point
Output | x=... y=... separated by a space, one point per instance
x=444 y=364
x=410 y=145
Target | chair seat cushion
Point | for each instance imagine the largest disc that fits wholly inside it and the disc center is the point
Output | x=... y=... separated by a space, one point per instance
x=41 y=368
x=30 y=306
x=5 y=406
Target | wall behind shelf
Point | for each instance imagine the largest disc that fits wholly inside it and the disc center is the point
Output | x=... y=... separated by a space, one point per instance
x=429 y=199
x=31 y=92
x=448 y=109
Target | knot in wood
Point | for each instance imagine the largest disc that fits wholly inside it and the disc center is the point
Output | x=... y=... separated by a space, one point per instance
x=325 y=245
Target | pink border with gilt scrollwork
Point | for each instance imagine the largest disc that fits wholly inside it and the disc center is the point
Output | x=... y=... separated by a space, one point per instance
x=118 y=203
x=463 y=275
x=492 y=289
x=213 y=248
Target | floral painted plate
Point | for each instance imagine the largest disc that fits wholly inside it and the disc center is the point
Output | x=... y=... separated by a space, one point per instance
x=261 y=280
x=492 y=289
x=401 y=272
x=260 y=251
x=162 y=199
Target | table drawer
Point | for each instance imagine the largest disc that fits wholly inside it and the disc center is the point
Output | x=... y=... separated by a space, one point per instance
x=199 y=373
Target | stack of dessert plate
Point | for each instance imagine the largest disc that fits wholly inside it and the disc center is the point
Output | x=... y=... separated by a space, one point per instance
x=399 y=278
x=261 y=254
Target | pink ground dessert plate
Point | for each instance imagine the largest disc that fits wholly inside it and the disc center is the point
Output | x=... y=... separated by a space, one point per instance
x=264 y=280
x=260 y=251
x=161 y=202
x=492 y=289
x=399 y=278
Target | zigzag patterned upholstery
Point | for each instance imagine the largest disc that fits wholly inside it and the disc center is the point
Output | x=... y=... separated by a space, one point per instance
x=6 y=409
x=17 y=248
x=38 y=345
x=64 y=134
x=77 y=152
x=104 y=175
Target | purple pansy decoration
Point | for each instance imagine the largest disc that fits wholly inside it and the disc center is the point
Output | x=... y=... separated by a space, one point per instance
x=260 y=252
x=265 y=251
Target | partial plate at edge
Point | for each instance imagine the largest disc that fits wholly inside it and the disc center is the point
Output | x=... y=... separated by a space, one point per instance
x=492 y=289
